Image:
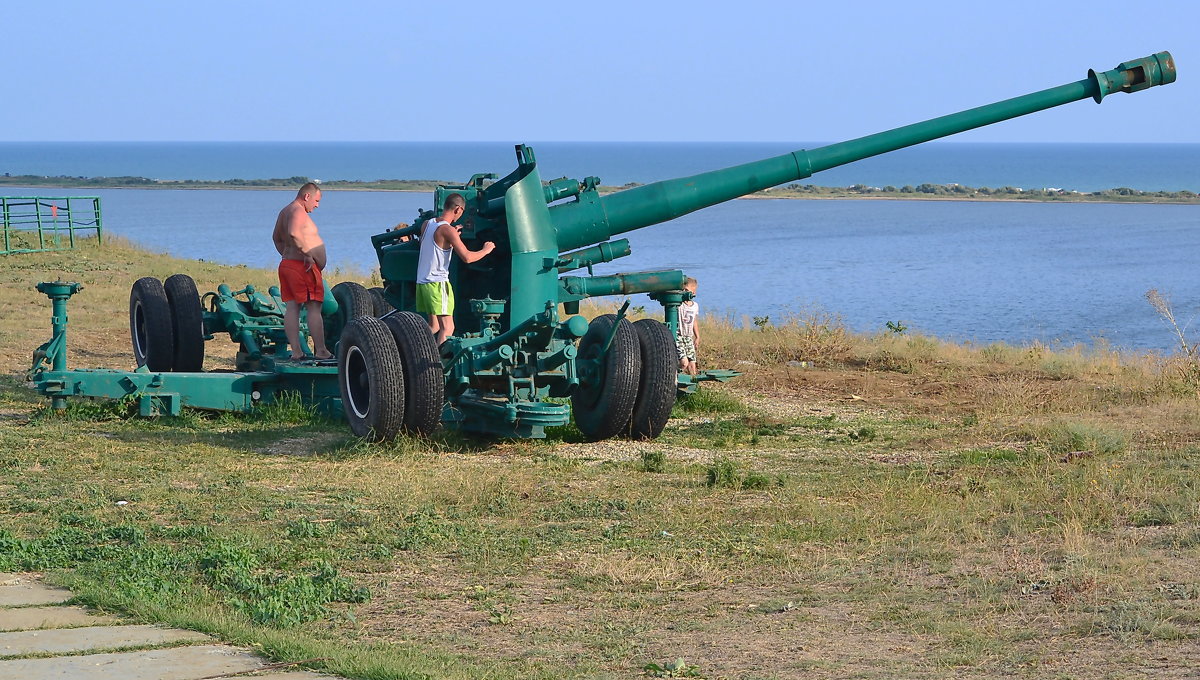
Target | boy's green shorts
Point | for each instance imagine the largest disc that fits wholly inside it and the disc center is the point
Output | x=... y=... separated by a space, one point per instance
x=435 y=298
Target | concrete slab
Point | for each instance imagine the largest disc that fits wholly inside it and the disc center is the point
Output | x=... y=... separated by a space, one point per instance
x=26 y=628
x=178 y=663
x=62 y=640
x=32 y=618
x=18 y=591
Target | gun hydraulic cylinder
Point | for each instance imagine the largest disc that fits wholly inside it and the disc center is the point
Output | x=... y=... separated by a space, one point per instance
x=623 y=284
x=601 y=252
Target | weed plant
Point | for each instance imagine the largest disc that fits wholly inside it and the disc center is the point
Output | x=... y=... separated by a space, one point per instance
x=654 y=461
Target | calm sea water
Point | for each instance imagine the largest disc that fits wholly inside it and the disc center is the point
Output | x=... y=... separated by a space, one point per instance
x=977 y=271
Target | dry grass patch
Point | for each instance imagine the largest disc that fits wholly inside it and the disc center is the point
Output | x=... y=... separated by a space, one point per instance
x=622 y=570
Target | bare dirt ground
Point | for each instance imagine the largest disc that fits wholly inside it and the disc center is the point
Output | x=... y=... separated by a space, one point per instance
x=776 y=623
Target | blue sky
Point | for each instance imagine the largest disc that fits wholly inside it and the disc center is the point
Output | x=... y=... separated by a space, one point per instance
x=579 y=71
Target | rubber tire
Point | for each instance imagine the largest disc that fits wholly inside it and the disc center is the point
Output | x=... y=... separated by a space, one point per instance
x=354 y=302
x=602 y=410
x=424 y=382
x=657 y=382
x=187 y=323
x=150 y=325
x=378 y=302
x=371 y=380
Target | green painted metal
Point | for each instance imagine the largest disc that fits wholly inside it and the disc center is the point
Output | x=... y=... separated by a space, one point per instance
x=48 y=220
x=251 y=318
x=165 y=393
x=688 y=384
x=543 y=229
x=55 y=350
x=254 y=321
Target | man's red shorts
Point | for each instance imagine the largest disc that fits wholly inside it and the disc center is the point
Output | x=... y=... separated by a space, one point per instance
x=297 y=284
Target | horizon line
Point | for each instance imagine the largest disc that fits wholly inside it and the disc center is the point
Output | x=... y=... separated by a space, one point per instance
x=542 y=141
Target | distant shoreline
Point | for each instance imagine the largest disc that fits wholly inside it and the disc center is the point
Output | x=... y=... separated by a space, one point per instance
x=934 y=192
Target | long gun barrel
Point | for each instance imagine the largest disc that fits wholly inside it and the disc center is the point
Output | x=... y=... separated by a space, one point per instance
x=584 y=223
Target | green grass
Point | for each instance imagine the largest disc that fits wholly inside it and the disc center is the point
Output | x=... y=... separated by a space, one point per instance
x=919 y=510
x=309 y=555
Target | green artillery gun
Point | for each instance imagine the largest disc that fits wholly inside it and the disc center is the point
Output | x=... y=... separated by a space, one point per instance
x=527 y=361
x=620 y=376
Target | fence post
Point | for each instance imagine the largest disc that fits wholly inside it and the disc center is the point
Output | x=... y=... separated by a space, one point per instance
x=96 y=212
x=37 y=210
x=7 y=243
x=70 y=225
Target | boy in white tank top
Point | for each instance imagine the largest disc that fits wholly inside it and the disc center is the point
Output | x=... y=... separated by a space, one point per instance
x=439 y=238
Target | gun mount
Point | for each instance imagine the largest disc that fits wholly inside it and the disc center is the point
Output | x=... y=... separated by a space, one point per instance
x=521 y=358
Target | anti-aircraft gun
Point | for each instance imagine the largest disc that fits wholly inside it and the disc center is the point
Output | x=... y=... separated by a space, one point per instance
x=520 y=365
x=508 y=374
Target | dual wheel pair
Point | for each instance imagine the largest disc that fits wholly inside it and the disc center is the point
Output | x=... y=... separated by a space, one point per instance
x=630 y=390
x=389 y=372
x=166 y=324
x=390 y=376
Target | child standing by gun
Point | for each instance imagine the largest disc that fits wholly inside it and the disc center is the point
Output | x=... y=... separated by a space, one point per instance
x=688 y=338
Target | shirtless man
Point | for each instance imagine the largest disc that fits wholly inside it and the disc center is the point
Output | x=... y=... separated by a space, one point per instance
x=300 y=283
x=440 y=238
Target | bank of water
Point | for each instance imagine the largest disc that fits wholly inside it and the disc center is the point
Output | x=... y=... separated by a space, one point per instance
x=969 y=271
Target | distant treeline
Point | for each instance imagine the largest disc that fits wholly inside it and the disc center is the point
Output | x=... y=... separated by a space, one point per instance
x=962 y=191
x=949 y=191
x=65 y=181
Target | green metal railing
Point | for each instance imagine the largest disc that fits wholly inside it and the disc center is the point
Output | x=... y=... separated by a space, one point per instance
x=33 y=224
